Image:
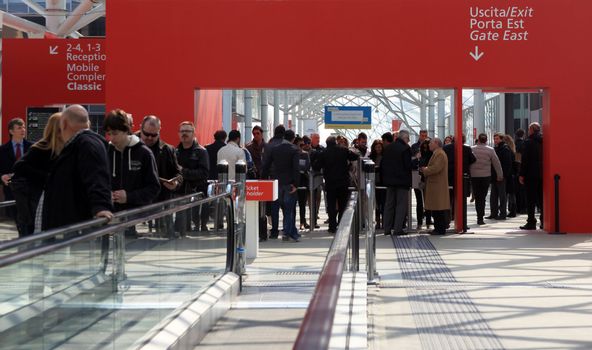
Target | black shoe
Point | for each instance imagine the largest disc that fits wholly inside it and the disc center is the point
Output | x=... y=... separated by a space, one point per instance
x=273 y=236
x=500 y=218
x=262 y=239
x=512 y=214
x=400 y=233
x=204 y=228
x=480 y=222
x=466 y=229
x=491 y=217
x=317 y=226
x=528 y=227
x=387 y=233
x=436 y=233
x=306 y=226
x=332 y=231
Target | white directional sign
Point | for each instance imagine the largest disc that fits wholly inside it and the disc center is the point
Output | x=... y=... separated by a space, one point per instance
x=498 y=24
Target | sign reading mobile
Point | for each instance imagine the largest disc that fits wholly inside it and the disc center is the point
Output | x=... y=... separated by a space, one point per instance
x=342 y=117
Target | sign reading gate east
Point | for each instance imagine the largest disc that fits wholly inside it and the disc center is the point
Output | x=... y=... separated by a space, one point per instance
x=498 y=24
x=67 y=70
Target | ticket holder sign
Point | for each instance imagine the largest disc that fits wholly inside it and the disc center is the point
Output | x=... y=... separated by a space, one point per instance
x=257 y=191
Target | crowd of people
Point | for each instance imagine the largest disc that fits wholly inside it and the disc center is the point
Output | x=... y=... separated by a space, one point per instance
x=74 y=174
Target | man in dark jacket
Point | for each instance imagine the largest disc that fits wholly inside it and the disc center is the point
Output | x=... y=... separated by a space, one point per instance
x=531 y=174
x=334 y=161
x=10 y=152
x=416 y=152
x=284 y=158
x=468 y=159
x=317 y=177
x=256 y=148
x=213 y=148
x=134 y=177
x=273 y=208
x=498 y=198
x=169 y=170
x=195 y=165
x=79 y=186
x=396 y=176
x=520 y=190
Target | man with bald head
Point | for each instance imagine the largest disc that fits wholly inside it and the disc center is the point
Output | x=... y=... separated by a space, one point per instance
x=79 y=187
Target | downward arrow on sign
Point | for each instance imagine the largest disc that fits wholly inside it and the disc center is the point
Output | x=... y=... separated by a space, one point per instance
x=477 y=55
x=53 y=50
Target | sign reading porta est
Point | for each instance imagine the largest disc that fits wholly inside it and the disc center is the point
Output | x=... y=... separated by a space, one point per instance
x=262 y=190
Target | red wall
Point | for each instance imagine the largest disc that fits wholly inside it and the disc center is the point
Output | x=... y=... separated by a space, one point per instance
x=356 y=44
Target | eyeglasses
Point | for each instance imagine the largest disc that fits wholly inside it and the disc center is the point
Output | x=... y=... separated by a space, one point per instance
x=185 y=131
x=149 y=134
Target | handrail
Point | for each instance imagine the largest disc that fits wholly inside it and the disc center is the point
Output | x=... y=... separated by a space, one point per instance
x=7 y=204
x=93 y=222
x=117 y=227
x=315 y=330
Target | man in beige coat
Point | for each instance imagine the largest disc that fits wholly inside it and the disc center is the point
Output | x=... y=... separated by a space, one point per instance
x=436 y=193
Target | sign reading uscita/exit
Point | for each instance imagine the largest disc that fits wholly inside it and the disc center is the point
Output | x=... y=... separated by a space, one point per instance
x=498 y=24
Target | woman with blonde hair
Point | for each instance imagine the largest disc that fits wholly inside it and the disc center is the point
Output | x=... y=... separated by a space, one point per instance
x=30 y=174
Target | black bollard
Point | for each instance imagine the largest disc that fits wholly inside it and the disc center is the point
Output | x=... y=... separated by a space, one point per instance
x=557 y=231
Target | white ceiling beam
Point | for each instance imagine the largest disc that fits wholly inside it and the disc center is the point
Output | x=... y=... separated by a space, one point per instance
x=87 y=19
x=35 y=7
x=76 y=15
x=21 y=24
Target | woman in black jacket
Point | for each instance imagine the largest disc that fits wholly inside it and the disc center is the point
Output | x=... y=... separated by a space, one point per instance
x=376 y=156
x=31 y=172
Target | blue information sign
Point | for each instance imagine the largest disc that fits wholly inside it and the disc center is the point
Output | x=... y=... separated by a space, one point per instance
x=342 y=117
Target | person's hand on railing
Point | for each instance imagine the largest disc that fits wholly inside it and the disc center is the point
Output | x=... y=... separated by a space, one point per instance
x=105 y=214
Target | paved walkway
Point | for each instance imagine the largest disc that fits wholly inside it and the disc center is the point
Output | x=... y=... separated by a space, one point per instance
x=497 y=288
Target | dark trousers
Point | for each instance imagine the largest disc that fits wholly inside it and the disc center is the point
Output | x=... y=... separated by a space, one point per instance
x=262 y=221
x=419 y=207
x=520 y=197
x=275 y=218
x=480 y=189
x=498 y=200
x=302 y=200
x=452 y=209
x=395 y=209
x=439 y=221
x=534 y=199
x=380 y=202
x=336 y=198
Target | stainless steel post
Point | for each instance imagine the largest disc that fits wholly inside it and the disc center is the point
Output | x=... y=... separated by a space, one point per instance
x=370 y=185
x=222 y=168
x=119 y=262
x=241 y=216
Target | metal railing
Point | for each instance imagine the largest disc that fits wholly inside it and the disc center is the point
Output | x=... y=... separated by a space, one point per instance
x=315 y=329
x=5 y=204
x=52 y=240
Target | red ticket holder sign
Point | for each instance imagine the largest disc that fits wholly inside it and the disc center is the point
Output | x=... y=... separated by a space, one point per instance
x=46 y=72
x=262 y=190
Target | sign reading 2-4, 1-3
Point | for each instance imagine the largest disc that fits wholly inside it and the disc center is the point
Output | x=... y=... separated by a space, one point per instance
x=345 y=117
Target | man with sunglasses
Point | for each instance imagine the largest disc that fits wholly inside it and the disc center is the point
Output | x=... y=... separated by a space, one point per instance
x=195 y=169
x=169 y=171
